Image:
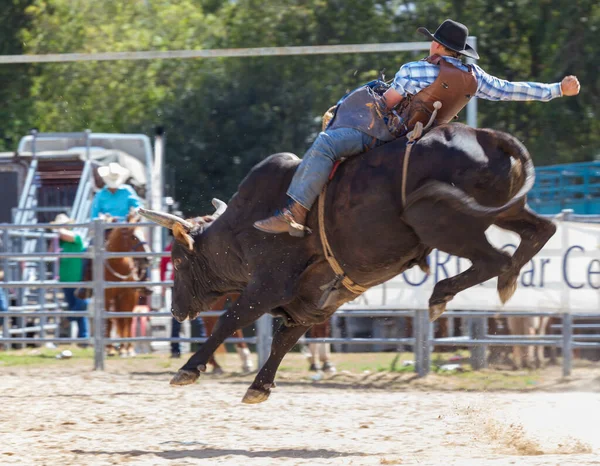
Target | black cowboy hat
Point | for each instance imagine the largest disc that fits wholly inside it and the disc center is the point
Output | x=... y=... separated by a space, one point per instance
x=452 y=35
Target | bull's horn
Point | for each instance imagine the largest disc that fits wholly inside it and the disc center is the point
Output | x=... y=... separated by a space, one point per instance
x=164 y=219
x=220 y=206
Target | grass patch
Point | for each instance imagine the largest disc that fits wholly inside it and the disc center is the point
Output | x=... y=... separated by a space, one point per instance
x=389 y=367
x=43 y=356
x=495 y=380
x=373 y=362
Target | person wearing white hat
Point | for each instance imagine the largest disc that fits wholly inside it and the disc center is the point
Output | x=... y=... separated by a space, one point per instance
x=376 y=113
x=70 y=270
x=116 y=198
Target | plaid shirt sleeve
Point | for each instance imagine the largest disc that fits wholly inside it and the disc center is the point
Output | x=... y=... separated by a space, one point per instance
x=414 y=77
x=492 y=88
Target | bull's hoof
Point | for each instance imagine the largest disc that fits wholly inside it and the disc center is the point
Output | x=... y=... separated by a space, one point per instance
x=507 y=287
x=424 y=266
x=184 y=377
x=436 y=310
x=254 y=396
x=217 y=370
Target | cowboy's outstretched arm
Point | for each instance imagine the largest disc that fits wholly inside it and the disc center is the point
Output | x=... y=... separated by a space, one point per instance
x=492 y=88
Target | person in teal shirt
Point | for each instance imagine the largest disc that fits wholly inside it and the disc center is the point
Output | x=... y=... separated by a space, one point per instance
x=116 y=198
x=70 y=270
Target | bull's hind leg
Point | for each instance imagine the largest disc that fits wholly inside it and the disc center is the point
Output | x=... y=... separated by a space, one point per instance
x=488 y=263
x=535 y=231
x=460 y=235
x=283 y=341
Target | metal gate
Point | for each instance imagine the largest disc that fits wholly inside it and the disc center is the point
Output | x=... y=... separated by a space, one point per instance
x=42 y=310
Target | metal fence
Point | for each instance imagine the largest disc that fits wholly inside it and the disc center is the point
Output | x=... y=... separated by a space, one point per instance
x=422 y=341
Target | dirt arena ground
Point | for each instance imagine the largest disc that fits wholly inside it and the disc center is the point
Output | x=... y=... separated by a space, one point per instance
x=63 y=413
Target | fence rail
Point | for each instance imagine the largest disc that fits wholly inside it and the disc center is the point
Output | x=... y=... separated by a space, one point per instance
x=422 y=341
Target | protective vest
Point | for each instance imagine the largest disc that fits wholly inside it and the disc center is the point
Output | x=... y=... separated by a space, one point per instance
x=453 y=87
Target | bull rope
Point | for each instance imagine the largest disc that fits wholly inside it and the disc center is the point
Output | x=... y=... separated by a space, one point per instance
x=350 y=285
x=413 y=136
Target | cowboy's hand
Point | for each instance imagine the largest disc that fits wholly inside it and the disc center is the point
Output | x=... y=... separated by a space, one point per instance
x=570 y=85
x=381 y=106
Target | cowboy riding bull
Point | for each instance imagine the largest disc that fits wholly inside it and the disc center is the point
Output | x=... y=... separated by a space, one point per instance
x=381 y=214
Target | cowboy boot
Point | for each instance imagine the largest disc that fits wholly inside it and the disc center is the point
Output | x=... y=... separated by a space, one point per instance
x=291 y=220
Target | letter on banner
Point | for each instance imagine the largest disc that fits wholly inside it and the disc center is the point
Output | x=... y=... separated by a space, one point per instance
x=591 y=273
x=565 y=267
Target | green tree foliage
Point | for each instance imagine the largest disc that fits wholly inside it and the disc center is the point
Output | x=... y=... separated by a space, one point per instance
x=224 y=115
x=259 y=106
x=113 y=96
x=14 y=79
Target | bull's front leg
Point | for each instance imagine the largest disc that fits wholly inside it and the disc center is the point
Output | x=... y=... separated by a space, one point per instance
x=247 y=309
x=283 y=341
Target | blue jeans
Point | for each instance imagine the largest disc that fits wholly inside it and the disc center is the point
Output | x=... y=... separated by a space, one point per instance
x=3 y=304
x=329 y=147
x=198 y=330
x=76 y=304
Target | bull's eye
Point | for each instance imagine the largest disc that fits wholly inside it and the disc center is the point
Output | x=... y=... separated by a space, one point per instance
x=176 y=263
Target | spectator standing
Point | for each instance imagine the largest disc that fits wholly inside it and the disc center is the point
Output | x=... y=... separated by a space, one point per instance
x=3 y=301
x=70 y=270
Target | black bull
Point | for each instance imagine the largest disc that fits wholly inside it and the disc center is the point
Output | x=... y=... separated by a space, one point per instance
x=460 y=181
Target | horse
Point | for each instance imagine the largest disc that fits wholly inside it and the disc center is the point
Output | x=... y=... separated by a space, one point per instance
x=242 y=348
x=123 y=269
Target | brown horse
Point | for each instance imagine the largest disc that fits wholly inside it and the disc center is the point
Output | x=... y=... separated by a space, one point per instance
x=242 y=348
x=123 y=269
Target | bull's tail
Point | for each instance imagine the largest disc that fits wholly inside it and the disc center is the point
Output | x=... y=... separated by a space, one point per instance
x=466 y=204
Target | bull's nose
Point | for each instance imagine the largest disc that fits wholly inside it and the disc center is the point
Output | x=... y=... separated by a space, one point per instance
x=193 y=315
x=178 y=317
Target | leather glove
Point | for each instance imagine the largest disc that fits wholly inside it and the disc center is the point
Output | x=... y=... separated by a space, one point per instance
x=381 y=107
x=396 y=124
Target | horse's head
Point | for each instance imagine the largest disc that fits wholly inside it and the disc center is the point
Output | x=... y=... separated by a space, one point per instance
x=127 y=239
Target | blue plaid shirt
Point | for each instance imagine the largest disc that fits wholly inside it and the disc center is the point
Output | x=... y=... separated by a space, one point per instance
x=415 y=76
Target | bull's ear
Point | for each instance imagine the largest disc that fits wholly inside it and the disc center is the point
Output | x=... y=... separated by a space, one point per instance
x=182 y=236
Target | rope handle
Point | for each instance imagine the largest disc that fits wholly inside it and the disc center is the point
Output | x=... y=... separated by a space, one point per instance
x=333 y=263
x=413 y=136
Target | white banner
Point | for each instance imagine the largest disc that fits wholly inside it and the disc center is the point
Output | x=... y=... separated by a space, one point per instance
x=563 y=277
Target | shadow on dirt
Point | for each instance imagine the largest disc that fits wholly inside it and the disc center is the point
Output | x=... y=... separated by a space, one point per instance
x=208 y=452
